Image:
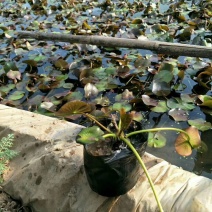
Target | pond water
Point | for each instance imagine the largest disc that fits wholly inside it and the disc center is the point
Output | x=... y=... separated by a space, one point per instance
x=199 y=163
x=34 y=73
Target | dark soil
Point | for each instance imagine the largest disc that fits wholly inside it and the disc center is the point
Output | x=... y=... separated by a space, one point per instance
x=7 y=204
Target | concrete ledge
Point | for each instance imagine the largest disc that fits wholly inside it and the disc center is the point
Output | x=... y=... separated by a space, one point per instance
x=48 y=173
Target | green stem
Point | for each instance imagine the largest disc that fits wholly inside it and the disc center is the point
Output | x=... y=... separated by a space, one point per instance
x=109 y=135
x=145 y=171
x=98 y=123
x=158 y=129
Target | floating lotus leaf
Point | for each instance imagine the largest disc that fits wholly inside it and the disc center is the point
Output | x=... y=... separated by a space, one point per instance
x=137 y=116
x=15 y=75
x=179 y=103
x=10 y=66
x=156 y=140
x=189 y=98
x=7 y=88
x=149 y=101
x=123 y=71
x=76 y=95
x=16 y=95
x=103 y=101
x=200 y=124
x=160 y=108
x=119 y=105
x=183 y=145
x=178 y=114
x=142 y=62
x=73 y=108
x=161 y=88
x=164 y=76
x=61 y=64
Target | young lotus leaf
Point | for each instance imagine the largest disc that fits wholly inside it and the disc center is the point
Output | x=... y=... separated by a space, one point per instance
x=200 y=124
x=183 y=145
x=90 y=135
x=126 y=119
x=73 y=108
x=156 y=140
x=178 y=114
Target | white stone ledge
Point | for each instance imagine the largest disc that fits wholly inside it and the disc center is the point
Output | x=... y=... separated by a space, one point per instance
x=48 y=173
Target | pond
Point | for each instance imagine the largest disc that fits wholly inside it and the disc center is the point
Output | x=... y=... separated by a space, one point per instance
x=169 y=90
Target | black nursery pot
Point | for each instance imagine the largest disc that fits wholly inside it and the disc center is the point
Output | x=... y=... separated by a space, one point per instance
x=117 y=173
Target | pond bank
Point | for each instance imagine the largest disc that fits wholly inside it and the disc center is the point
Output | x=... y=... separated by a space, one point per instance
x=48 y=173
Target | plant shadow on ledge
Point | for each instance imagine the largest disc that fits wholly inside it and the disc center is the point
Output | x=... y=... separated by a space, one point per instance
x=114 y=144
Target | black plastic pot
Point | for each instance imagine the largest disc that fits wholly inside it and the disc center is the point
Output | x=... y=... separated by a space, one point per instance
x=117 y=173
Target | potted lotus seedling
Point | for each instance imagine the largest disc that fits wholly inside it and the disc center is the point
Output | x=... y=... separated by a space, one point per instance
x=114 y=144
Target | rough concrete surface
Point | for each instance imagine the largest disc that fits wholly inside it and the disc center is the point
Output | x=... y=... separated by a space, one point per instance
x=48 y=173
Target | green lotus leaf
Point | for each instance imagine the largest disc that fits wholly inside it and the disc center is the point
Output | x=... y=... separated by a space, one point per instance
x=6 y=89
x=16 y=95
x=156 y=140
x=90 y=135
x=10 y=66
x=164 y=76
x=200 y=124
x=119 y=105
x=160 y=108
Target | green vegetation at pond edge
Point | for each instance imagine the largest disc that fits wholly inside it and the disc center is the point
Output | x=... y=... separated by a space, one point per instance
x=6 y=153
